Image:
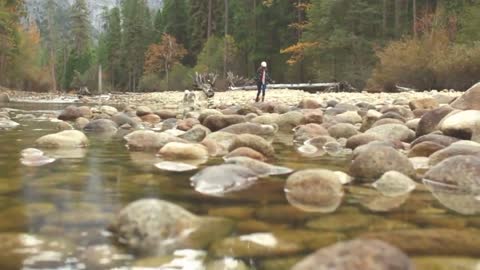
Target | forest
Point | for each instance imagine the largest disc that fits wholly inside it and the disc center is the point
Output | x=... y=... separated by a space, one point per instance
x=372 y=44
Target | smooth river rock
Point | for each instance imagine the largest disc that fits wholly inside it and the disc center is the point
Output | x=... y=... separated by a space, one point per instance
x=449 y=242
x=314 y=190
x=147 y=140
x=375 y=160
x=65 y=139
x=259 y=167
x=155 y=227
x=222 y=179
x=356 y=255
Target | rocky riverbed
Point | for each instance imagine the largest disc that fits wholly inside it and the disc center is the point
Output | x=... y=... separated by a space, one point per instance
x=302 y=181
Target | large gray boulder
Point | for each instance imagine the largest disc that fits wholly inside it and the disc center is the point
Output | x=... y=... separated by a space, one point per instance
x=155 y=227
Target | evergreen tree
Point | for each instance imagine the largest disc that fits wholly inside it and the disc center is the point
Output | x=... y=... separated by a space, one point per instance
x=113 y=48
x=80 y=27
x=80 y=57
x=158 y=26
x=175 y=16
x=200 y=24
x=134 y=40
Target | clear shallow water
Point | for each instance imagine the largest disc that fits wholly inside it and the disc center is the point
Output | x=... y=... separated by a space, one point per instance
x=71 y=202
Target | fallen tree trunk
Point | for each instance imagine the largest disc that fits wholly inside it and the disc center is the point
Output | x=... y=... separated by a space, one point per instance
x=310 y=87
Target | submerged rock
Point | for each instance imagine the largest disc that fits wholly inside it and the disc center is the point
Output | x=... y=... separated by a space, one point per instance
x=305 y=132
x=448 y=242
x=7 y=123
x=218 y=180
x=355 y=255
x=64 y=139
x=34 y=158
x=155 y=227
x=393 y=183
x=255 y=245
x=27 y=251
x=184 y=151
x=445 y=263
x=227 y=264
x=175 y=166
x=314 y=191
x=259 y=167
x=105 y=257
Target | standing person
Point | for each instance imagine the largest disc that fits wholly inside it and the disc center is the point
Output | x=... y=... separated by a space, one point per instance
x=262 y=79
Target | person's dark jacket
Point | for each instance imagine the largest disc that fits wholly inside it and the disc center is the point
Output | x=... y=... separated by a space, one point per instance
x=258 y=77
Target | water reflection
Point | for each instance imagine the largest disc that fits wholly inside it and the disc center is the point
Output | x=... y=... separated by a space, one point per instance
x=375 y=201
x=76 y=197
x=460 y=200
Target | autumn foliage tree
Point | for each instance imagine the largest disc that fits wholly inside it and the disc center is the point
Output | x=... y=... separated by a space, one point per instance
x=161 y=57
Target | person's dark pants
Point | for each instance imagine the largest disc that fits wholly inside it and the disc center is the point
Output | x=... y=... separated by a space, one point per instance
x=262 y=87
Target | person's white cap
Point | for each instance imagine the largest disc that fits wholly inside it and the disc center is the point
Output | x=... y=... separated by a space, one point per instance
x=264 y=64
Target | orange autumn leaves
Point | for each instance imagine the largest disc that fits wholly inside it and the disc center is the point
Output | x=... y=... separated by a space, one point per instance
x=163 y=56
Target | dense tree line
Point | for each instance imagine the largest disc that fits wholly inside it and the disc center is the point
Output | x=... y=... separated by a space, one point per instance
x=140 y=48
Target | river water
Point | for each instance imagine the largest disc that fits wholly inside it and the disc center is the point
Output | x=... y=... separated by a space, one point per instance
x=67 y=206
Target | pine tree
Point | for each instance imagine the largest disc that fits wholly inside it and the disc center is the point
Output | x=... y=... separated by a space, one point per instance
x=201 y=26
x=134 y=39
x=113 y=42
x=80 y=27
x=175 y=16
x=80 y=58
x=158 y=26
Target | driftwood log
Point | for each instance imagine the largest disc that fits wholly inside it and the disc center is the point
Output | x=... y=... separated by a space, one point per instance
x=309 y=87
x=205 y=82
x=238 y=81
